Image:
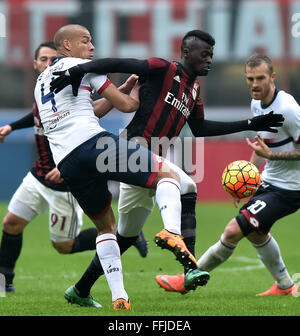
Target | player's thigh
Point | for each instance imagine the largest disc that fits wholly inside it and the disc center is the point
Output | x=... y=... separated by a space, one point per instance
x=65 y=216
x=28 y=202
x=266 y=207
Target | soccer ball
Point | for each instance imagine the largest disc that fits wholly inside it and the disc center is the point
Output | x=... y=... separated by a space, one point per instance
x=241 y=179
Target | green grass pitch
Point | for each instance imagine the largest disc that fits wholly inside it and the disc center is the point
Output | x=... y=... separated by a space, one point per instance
x=42 y=275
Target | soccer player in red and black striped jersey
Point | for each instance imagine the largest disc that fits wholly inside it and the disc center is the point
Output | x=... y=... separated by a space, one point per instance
x=169 y=97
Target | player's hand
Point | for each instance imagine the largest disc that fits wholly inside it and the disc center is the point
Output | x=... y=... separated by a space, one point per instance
x=135 y=92
x=4 y=131
x=259 y=147
x=54 y=176
x=129 y=84
x=72 y=76
x=236 y=201
x=265 y=122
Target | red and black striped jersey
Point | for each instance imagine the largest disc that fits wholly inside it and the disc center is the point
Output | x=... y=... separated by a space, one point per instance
x=44 y=163
x=169 y=97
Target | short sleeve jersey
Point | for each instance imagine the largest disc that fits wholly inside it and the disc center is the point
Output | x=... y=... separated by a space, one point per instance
x=281 y=173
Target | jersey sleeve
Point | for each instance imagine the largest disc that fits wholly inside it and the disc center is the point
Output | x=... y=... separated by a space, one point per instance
x=155 y=63
x=24 y=122
x=199 y=109
x=98 y=83
x=292 y=121
x=253 y=109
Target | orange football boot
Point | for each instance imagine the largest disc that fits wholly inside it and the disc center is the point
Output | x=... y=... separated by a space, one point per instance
x=175 y=243
x=171 y=283
x=121 y=304
x=275 y=290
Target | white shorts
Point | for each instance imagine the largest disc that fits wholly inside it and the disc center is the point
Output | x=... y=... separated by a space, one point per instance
x=137 y=197
x=32 y=198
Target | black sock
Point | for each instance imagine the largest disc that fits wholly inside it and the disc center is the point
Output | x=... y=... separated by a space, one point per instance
x=125 y=242
x=10 y=250
x=90 y=276
x=86 y=240
x=188 y=221
x=94 y=271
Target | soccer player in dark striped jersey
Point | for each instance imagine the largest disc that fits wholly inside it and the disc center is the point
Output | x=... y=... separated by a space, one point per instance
x=169 y=97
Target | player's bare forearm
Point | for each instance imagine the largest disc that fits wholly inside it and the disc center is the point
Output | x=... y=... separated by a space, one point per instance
x=102 y=107
x=287 y=156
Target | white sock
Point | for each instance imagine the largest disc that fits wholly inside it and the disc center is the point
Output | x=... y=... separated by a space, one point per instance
x=168 y=200
x=269 y=253
x=215 y=255
x=109 y=255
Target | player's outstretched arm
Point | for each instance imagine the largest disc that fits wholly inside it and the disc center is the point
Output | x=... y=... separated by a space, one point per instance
x=74 y=75
x=24 y=122
x=202 y=128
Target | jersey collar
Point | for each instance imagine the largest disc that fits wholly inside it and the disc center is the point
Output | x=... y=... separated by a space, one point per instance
x=56 y=59
x=274 y=97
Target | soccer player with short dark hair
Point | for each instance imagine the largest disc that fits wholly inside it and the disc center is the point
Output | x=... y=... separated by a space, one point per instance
x=279 y=193
x=169 y=97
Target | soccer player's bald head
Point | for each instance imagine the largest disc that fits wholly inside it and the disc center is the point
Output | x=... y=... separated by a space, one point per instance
x=67 y=33
x=70 y=40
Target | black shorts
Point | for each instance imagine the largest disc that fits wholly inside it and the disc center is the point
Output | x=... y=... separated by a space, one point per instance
x=268 y=204
x=104 y=157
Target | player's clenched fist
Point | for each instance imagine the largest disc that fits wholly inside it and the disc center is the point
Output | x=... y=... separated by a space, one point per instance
x=4 y=131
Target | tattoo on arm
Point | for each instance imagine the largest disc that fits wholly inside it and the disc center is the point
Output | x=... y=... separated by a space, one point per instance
x=288 y=156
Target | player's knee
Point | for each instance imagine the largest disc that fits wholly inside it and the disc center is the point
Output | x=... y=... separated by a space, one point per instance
x=173 y=175
x=191 y=187
x=12 y=225
x=63 y=247
x=232 y=233
x=168 y=172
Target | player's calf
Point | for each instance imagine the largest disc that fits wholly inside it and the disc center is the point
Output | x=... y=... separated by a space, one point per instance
x=232 y=233
x=13 y=224
x=83 y=242
x=63 y=247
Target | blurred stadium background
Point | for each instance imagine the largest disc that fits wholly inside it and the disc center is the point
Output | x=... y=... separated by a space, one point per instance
x=141 y=29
